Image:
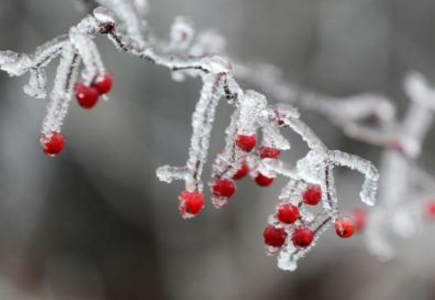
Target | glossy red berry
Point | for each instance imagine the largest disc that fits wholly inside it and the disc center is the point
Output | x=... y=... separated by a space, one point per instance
x=274 y=237
x=242 y=172
x=302 y=237
x=268 y=152
x=313 y=195
x=430 y=211
x=191 y=203
x=344 y=227
x=246 y=142
x=103 y=84
x=264 y=181
x=86 y=96
x=224 y=188
x=287 y=213
x=52 y=144
x=359 y=217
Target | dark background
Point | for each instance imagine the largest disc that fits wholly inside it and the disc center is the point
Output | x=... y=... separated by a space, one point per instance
x=97 y=224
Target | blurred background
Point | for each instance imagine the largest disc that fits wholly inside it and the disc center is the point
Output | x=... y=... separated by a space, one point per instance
x=96 y=224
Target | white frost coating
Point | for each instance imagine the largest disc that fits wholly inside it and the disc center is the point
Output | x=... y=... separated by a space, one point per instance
x=252 y=107
x=37 y=86
x=199 y=57
x=363 y=166
x=61 y=95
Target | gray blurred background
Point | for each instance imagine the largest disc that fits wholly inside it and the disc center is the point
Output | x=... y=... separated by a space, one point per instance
x=96 y=223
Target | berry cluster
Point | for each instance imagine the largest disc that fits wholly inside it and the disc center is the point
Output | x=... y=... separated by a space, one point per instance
x=87 y=96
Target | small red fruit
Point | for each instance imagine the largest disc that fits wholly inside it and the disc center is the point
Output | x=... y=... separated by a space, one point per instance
x=52 y=144
x=246 y=142
x=191 y=203
x=312 y=196
x=103 y=84
x=224 y=188
x=430 y=210
x=344 y=227
x=287 y=213
x=274 y=237
x=302 y=237
x=86 y=96
x=263 y=181
x=242 y=172
x=268 y=152
x=359 y=217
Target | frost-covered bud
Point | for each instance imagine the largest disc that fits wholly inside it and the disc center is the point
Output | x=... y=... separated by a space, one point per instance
x=105 y=18
x=182 y=34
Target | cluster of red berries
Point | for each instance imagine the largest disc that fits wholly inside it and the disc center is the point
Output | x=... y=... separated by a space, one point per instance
x=247 y=143
x=87 y=97
x=191 y=203
x=302 y=236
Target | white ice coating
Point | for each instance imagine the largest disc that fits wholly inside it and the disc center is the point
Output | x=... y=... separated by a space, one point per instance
x=202 y=57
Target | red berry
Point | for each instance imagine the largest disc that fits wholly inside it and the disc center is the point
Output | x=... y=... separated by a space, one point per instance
x=359 y=218
x=274 y=237
x=313 y=195
x=344 y=227
x=288 y=213
x=191 y=203
x=52 y=144
x=397 y=145
x=268 y=152
x=86 y=96
x=246 y=142
x=103 y=84
x=242 y=172
x=430 y=210
x=263 y=181
x=302 y=237
x=224 y=188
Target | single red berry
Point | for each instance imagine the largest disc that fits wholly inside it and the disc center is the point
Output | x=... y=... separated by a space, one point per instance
x=268 y=152
x=263 y=181
x=224 y=188
x=313 y=195
x=242 y=172
x=246 y=142
x=430 y=210
x=287 y=213
x=344 y=227
x=359 y=217
x=52 y=144
x=274 y=237
x=397 y=145
x=302 y=237
x=191 y=203
x=86 y=96
x=103 y=84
